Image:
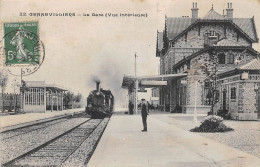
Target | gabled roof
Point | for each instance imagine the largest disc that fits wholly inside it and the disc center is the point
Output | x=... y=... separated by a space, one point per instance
x=247 y=25
x=177 y=26
x=213 y=15
x=226 y=42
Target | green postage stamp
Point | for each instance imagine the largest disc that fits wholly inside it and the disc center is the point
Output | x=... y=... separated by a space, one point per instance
x=21 y=43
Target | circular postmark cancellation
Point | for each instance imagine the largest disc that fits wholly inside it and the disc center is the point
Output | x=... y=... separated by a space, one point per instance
x=21 y=51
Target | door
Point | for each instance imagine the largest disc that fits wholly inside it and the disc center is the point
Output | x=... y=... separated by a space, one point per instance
x=224 y=100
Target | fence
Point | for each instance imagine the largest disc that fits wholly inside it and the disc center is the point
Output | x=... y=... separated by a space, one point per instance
x=11 y=101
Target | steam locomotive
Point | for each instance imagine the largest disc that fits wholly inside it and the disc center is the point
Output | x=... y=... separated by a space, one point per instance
x=100 y=103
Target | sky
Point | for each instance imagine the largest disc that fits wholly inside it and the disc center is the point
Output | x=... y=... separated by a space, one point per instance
x=78 y=49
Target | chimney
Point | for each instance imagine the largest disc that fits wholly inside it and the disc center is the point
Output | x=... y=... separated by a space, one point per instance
x=229 y=11
x=194 y=11
x=98 y=88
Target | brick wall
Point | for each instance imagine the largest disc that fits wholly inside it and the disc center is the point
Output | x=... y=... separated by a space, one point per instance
x=244 y=107
x=204 y=59
x=249 y=99
x=195 y=39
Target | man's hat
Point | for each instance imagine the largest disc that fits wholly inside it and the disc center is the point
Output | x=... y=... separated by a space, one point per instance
x=143 y=99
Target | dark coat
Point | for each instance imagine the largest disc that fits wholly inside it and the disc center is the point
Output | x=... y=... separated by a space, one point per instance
x=144 y=110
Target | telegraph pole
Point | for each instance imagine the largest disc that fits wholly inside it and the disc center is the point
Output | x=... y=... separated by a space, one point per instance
x=136 y=85
x=21 y=91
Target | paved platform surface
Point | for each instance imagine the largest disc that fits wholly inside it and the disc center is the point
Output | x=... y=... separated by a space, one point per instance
x=11 y=120
x=124 y=145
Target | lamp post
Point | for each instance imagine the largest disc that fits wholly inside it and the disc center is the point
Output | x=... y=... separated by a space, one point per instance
x=195 y=99
x=2 y=83
x=195 y=103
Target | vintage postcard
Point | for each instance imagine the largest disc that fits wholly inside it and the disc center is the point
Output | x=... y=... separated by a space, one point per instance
x=134 y=83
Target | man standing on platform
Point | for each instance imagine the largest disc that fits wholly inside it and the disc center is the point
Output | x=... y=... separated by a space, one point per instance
x=148 y=107
x=144 y=114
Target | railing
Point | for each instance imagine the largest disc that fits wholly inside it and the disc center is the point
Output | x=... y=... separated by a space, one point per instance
x=10 y=101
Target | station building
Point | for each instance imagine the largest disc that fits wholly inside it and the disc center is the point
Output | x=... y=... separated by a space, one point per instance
x=41 y=96
x=214 y=44
x=197 y=53
x=155 y=96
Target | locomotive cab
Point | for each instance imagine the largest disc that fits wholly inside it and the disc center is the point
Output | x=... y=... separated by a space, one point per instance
x=100 y=103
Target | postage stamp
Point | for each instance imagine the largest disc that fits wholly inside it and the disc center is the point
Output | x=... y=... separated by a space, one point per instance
x=21 y=49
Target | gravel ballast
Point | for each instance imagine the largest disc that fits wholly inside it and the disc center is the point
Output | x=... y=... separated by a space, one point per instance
x=83 y=154
x=23 y=143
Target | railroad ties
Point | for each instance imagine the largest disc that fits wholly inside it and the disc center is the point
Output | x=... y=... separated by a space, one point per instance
x=56 y=151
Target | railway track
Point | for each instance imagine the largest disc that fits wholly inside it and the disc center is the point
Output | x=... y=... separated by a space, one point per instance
x=32 y=127
x=57 y=150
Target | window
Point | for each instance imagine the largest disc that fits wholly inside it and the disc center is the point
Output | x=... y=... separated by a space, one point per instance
x=212 y=33
x=233 y=93
x=188 y=65
x=35 y=96
x=207 y=97
x=217 y=95
x=210 y=38
x=230 y=58
x=221 y=58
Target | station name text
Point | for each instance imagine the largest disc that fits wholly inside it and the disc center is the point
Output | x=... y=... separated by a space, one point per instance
x=84 y=14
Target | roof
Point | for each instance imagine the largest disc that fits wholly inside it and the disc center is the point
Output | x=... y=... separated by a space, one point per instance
x=128 y=81
x=177 y=25
x=252 y=65
x=213 y=15
x=226 y=42
x=247 y=25
x=42 y=84
x=160 y=41
x=185 y=59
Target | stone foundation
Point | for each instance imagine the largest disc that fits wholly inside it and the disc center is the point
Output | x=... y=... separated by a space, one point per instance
x=200 y=109
x=244 y=116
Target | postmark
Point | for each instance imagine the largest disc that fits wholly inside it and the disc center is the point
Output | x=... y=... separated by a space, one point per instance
x=22 y=51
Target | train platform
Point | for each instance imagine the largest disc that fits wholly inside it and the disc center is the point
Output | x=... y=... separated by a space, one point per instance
x=11 y=121
x=124 y=145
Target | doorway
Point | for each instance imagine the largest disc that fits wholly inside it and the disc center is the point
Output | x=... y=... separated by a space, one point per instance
x=224 y=100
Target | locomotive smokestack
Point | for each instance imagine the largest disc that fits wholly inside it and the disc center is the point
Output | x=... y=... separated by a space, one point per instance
x=98 y=88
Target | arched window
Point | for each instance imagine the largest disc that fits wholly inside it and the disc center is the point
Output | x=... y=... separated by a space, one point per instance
x=230 y=58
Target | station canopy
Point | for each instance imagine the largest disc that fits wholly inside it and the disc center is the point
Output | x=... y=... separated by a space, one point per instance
x=150 y=81
x=42 y=84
